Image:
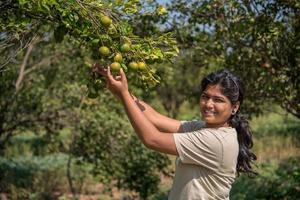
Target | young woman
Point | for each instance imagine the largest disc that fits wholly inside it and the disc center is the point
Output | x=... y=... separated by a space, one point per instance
x=210 y=152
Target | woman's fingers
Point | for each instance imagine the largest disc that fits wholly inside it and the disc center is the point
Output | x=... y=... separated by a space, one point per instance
x=122 y=75
x=118 y=78
x=110 y=76
x=106 y=72
x=103 y=72
x=99 y=69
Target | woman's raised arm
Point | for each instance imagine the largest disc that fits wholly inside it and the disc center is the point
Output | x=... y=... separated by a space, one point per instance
x=147 y=132
x=161 y=122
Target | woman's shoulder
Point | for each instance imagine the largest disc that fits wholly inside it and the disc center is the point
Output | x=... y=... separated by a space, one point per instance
x=191 y=125
x=220 y=132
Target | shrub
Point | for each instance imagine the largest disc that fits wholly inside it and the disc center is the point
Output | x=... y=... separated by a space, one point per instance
x=275 y=181
x=33 y=177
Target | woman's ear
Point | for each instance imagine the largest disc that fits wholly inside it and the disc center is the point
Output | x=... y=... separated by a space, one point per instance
x=235 y=107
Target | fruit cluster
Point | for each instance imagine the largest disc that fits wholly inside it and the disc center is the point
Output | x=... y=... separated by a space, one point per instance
x=101 y=31
x=118 y=54
x=118 y=59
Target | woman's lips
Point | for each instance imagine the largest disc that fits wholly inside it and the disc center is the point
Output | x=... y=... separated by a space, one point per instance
x=208 y=113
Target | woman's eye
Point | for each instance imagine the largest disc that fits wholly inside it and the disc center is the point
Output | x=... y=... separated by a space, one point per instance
x=204 y=97
x=218 y=100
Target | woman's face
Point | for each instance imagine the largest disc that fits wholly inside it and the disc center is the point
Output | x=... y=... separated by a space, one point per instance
x=216 y=108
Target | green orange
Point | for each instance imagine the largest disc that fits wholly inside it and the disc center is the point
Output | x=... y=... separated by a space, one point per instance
x=133 y=65
x=125 y=47
x=118 y=57
x=115 y=66
x=106 y=21
x=141 y=65
x=104 y=51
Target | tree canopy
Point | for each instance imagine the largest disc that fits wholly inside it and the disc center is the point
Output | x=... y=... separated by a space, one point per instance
x=257 y=40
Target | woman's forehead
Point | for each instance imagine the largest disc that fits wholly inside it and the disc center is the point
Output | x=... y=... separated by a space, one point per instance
x=214 y=90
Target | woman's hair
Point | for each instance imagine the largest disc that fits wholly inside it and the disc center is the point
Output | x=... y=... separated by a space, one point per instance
x=232 y=87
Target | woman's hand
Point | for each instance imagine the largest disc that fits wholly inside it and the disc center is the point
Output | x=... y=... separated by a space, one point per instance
x=117 y=85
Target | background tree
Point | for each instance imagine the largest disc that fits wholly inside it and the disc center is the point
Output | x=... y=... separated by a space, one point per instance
x=258 y=40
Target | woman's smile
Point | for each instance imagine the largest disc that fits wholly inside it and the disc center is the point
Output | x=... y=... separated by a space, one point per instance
x=209 y=113
x=215 y=107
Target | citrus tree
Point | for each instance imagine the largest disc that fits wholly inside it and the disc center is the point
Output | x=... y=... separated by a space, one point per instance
x=52 y=103
x=99 y=27
x=48 y=86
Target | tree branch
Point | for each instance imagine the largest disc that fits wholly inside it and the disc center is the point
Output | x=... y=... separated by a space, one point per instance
x=22 y=68
x=44 y=61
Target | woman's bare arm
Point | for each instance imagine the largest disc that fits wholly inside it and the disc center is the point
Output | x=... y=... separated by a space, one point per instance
x=161 y=122
x=146 y=131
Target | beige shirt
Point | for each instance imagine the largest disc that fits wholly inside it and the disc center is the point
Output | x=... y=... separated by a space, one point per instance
x=206 y=166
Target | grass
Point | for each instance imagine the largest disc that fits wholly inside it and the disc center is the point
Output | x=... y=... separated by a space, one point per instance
x=276 y=136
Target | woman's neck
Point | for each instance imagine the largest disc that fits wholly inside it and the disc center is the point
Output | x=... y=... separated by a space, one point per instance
x=226 y=124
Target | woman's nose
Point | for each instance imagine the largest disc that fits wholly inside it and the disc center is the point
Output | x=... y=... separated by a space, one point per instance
x=209 y=103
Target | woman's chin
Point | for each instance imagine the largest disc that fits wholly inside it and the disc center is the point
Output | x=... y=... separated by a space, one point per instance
x=208 y=119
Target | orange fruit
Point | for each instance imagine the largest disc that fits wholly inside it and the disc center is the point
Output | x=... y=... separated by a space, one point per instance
x=133 y=65
x=106 y=21
x=118 y=57
x=141 y=65
x=125 y=47
x=104 y=51
x=115 y=66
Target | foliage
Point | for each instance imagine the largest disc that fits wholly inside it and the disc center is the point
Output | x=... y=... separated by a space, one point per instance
x=21 y=22
x=280 y=126
x=28 y=106
x=139 y=162
x=46 y=51
x=257 y=40
x=58 y=84
x=33 y=177
x=276 y=135
x=107 y=142
x=52 y=98
x=276 y=181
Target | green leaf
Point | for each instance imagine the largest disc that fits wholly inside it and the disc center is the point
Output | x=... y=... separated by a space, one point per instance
x=59 y=33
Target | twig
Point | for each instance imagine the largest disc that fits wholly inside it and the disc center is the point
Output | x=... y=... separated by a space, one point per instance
x=69 y=176
x=42 y=62
x=23 y=65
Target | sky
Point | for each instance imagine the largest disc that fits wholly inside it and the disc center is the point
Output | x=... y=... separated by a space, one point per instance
x=163 y=2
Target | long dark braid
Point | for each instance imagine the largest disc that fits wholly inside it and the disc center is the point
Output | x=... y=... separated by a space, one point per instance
x=232 y=87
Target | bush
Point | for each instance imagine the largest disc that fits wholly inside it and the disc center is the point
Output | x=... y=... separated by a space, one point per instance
x=141 y=169
x=33 y=177
x=273 y=124
x=275 y=181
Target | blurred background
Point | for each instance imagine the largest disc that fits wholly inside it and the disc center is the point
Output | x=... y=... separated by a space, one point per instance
x=58 y=143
